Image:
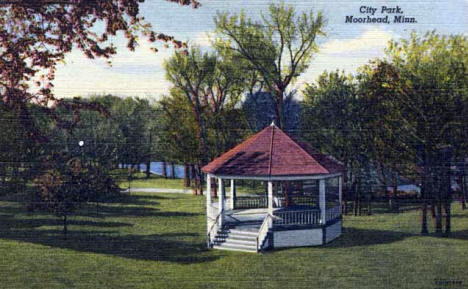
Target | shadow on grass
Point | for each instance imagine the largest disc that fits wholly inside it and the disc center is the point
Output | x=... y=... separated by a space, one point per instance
x=460 y=216
x=104 y=237
x=353 y=237
x=155 y=247
x=130 y=211
x=172 y=247
x=463 y=235
x=22 y=224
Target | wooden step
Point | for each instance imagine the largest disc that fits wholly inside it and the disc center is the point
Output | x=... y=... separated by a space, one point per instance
x=235 y=247
x=240 y=242
x=243 y=232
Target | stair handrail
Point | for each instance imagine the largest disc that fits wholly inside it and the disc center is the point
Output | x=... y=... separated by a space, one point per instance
x=208 y=234
x=261 y=234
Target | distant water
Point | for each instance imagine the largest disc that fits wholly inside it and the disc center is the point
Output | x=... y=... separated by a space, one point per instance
x=157 y=168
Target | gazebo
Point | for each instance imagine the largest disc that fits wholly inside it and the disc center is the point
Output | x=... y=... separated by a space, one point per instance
x=300 y=204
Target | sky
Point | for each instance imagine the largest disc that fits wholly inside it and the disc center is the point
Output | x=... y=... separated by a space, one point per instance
x=347 y=46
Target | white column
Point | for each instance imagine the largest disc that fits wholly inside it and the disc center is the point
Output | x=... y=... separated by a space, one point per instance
x=221 y=202
x=340 y=193
x=270 y=197
x=208 y=201
x=233 y=194
x=322 y=201
x=208 y=190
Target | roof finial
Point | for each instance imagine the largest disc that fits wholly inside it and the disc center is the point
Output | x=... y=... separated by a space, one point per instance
x=273 y=123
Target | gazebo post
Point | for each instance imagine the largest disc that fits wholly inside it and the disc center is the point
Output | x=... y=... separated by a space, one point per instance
x=233 y=194
x=270 y=197
x=221 y=202
x=322 y=200
x=208 y=198
x=340 y=192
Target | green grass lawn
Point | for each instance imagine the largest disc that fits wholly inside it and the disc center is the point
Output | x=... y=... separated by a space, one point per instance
x=158 y=241
x=140 y=181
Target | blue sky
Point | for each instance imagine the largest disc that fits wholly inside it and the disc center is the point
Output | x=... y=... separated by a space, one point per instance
x=346 y=47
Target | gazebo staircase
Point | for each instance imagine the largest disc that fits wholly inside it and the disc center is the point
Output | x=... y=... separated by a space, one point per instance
x=238 y=237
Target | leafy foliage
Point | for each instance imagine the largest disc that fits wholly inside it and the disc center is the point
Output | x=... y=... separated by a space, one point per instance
x=421 y=95
x=36 y=35
x=279 y=48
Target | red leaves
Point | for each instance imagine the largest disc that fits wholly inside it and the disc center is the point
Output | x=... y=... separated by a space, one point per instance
x=36 y=34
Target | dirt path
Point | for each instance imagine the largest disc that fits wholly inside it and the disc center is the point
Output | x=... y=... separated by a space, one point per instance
x=159 y=190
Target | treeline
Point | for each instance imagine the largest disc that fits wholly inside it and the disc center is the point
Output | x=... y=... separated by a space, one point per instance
x=404 y=115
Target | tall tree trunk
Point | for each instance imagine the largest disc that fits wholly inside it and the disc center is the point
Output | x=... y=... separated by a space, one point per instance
x=369 y=205
x=438 y=225
x=391 y=199
x=448 y=225
x=359 y=206
x=279 y=107
x=354 y=199
x=424 y=192
x=200 y=181
x=383 y=180
x=148 y=164
x=186 y=175
x=130 y=172
x=463 y=192
x=433 y=210
x=173 y=172
x=194 y=175
x=2 y=176
x=148 y=160
x=164 y=169
x=65 y=227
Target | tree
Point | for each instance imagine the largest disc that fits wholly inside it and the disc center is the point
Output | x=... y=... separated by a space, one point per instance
x=333 y=121
x=178 y=133
x=134 y=117
x=425 y=84
x=177 y=138
x=62 y=186
x=279 y=48
x=211 y=83
x=37 y=34
x=17 y=153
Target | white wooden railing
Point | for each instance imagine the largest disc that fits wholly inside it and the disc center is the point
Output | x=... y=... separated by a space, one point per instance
x=263 y=232
x=250 y=202
x=332 y=213
x=279 y=202
x=297 y=217
x=211 y=234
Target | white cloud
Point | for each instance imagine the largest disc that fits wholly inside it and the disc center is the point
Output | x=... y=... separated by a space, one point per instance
x=138 y=73
x=373 y=40
x=346 y=54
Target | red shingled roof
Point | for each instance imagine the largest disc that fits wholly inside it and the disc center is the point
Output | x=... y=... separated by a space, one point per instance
x=272 y=152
